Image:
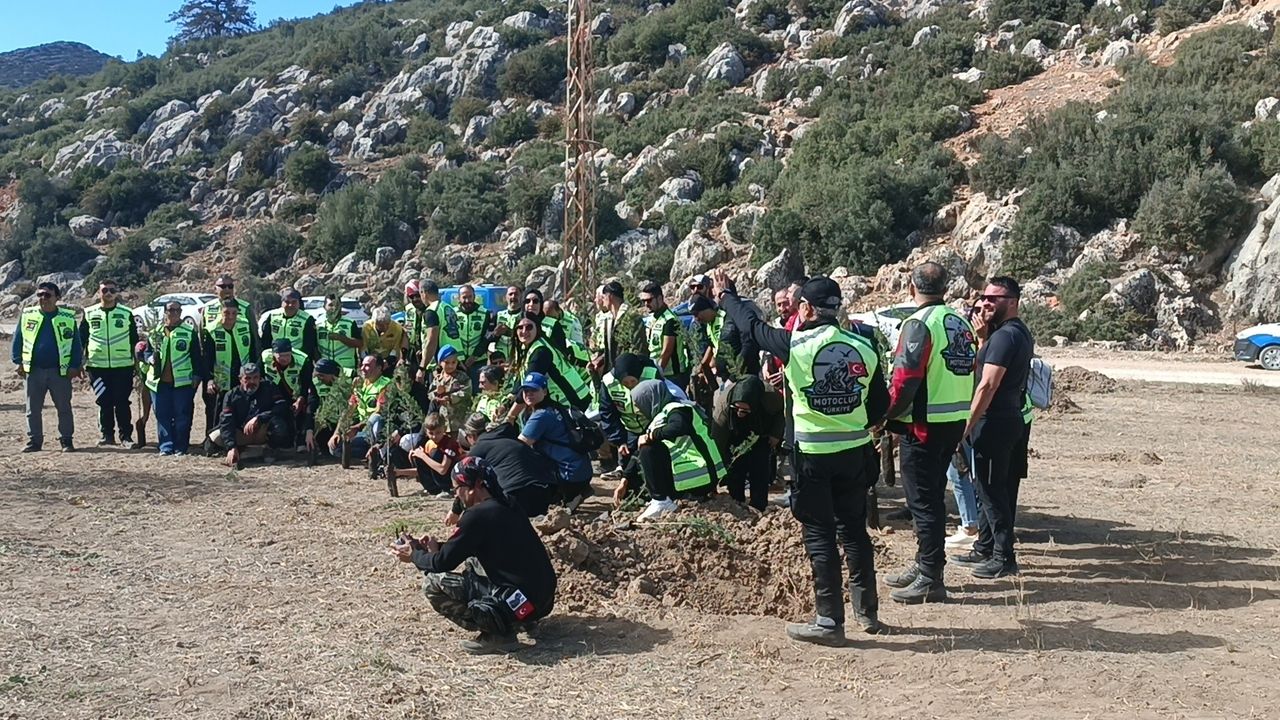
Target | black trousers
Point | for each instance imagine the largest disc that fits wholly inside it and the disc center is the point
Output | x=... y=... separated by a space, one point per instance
x=996 y=480
x=532 y=500
x=112 y=388
x=212 y=410
x=753 y=471
x=829 y=498
x=924 y=481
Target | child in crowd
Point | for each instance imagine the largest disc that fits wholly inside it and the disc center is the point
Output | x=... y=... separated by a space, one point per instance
x=452 y=395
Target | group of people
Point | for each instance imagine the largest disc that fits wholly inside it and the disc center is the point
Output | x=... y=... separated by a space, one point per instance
x=506 y=410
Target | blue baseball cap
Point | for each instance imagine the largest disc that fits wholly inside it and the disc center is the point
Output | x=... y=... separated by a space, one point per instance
x=534 y=381
x=446 y=352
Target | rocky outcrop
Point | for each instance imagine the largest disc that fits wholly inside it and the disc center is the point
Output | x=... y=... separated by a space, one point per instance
x=97 y=149
x=84 y=226
x=163 y=145
x=697 y=253
x=1252 y=276
x=724 y=64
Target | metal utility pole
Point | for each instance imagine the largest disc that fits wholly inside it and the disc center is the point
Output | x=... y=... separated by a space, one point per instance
x=579 y=239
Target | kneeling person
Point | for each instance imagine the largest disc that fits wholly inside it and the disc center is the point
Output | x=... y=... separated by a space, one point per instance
x=518 y=584
x=677 y=454
x=253 y=413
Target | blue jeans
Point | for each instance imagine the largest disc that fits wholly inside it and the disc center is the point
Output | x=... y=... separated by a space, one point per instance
x=962 y=489
x=173 y=408
x=364 y=439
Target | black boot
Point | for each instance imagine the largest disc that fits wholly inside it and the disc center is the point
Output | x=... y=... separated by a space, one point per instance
x=904 y=578
x=924 y=589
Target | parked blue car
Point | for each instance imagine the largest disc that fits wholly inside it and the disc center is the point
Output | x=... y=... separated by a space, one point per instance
x=1260 y=344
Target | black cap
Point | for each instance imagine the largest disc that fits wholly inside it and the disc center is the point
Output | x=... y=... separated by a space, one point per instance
x=282 y=345
x=700 y=303
x=628 y=365
x=821 y=292
x=325 y=366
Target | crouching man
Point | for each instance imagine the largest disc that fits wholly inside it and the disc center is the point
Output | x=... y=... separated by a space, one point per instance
x=518 y=584
x=253 y=413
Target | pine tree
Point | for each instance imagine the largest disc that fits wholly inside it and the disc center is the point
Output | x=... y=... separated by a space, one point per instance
x=201 y=19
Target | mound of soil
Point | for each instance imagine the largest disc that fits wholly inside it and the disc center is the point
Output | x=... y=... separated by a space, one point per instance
x=716 y=556
x=1075 y=379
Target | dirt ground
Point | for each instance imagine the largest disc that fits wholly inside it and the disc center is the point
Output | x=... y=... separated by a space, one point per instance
x=135 y=586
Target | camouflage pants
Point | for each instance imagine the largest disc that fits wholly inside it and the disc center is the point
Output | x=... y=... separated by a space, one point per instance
x=472 y=601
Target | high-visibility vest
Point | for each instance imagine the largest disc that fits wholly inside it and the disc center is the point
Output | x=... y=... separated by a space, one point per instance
x=508 y=319
x=238 y=339
x=713 y=330
x=175 y=348
x=64 y=333
x=574 y=339
x=109 y=345
x=322 y=389
x=569 y=387
x=631 y=418
x=470 y=331
x=366 y=397
x=413 y=326
x=489 y=405
x=949 y=373
x=678 y=364
x=447 y=319
x=289 y=328
x=212 y=314
x=695 y=459
x=292 y=374
x=830 y=370
x=326 y=335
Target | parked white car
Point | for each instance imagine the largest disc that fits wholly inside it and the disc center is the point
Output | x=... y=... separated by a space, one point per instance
x=152 y=314
x=887 y=319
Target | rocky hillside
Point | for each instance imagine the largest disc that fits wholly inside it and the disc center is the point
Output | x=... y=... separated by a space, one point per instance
x=24 y=66
x=1117 y=157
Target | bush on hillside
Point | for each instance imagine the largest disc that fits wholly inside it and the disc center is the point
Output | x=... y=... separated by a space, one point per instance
x=1177 y=14
x=528 y=195
x=309 y=169
x=1196 y=213
x=655 y=266
x=463 y=204
x=129 y=262
x=465 y=108
x=55 y=250
x=1070 y=12
x=132 y=193
x=536 y=72
x=512 y=128
x=361 y=218
x=270 y=247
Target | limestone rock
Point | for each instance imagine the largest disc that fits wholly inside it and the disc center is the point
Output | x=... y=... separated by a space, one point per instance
x=1116 y=51
x=724 y=64
x=1267 y=109
x=10 y=273
x=85 y=226
x=859 y=15
x=785 y=268
x=1253 y=285
x=697 y=253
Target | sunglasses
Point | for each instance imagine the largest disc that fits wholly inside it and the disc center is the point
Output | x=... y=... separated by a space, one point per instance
x=531 y=300
x=525 y=327
x=226 y=286
x=44 y=294
x=993 y=298
x=173 y=310
x=108 y=291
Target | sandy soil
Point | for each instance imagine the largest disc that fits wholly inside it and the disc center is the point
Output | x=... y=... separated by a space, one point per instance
x=136 y=586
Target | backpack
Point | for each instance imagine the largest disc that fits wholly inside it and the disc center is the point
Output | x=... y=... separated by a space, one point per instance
x=585 y=436
x=1040 y=383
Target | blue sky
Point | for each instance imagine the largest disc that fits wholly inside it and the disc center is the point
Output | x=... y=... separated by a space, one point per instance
x=119 y=27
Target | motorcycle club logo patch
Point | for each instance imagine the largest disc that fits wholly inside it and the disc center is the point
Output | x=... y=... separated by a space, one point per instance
x=836 y=371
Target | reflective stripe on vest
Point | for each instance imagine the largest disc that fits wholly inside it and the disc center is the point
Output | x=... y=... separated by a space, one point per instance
x=470 y=331
x=694 y=463
x=63 y=326
x=109 y=345
x=713 y=331
x=223 y=341
x=507 y=318
x=677 y=363
x=367 y=397
x=334 y=350
x=831 y=370
x=292 y=374
x=630 y=418
x=949 y=373
x=176 y=346
x=569 y=387
x=289 y=328
x=489 y=406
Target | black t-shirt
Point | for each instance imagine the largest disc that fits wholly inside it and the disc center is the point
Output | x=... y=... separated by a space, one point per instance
x=517 y=465
x=507 y=547
x=1011 y=347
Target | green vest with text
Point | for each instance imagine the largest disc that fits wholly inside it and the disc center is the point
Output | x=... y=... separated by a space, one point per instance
x=289 y=328
x=677 y=364
x=713 y=331
x=695 y=459
x=212 y=314
x=109 y=345
x=507 y=318
x=367 y=397
x=471 y=332
x=225 y=343
x=628 y=415
x=64 y=332
x=413 y=326
x=327 y=334
x=175 y=348
x=292 y=374
x=830 y=369
x=569 y=386
x=447 y=318
x=949 y=374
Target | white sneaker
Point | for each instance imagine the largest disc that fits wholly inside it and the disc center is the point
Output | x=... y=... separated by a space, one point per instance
x=656 y=509
x=961 y=539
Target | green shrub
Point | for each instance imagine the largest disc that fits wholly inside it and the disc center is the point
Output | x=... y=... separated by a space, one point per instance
x=55 y=250
x=1003 y=68
x=463 y=203
x=510 y=129
x=528 y=195
x=759 y=13
x=269 y=248
x=1086 y=287
x=536 y=72
x=465 y=108
x=129 y=262
x=170 y=214
x=655 y=266
x=339 y=223
x=1070 y=12
x=425 y=131
x=1196 y=213
x=132 y=193
x=1177 y=14
x=308 y=128
x=309 y=169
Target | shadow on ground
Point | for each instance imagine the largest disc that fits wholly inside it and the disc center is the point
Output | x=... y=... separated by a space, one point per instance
x=565 y=636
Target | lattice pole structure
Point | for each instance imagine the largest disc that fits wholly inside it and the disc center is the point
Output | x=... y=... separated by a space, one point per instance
x=579 y=242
